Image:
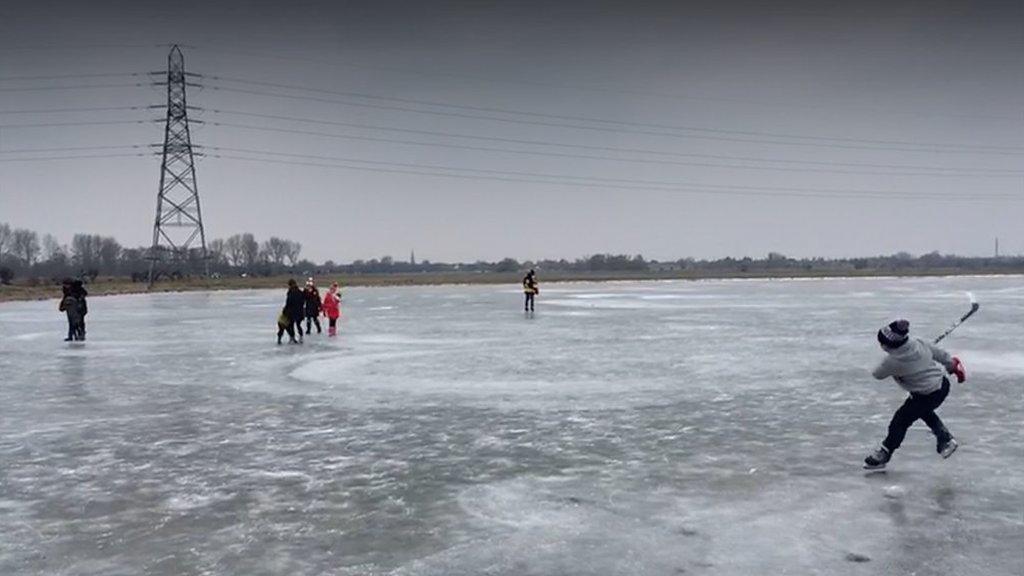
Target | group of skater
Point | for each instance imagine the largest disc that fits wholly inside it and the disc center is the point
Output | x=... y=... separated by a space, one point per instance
x=307 y=306
x=74 y=305
x=918 y=366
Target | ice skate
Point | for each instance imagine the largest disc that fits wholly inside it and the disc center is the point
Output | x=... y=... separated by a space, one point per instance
x=877 y=459
x=946 y=448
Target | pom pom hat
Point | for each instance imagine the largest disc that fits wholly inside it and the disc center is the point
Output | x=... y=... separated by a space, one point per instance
x=894 y=334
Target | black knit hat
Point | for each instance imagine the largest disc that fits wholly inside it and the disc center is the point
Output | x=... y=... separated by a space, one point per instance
x=894 y=334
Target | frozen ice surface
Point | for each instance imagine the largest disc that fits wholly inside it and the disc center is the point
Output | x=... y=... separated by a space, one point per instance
x=627 y=428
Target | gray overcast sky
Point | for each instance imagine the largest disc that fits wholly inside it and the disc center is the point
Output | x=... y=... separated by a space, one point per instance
x=770 y=128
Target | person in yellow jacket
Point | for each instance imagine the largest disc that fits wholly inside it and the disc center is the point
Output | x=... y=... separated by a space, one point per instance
x=530 y=289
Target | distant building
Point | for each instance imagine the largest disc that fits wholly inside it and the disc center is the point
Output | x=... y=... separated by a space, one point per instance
x=412 y=257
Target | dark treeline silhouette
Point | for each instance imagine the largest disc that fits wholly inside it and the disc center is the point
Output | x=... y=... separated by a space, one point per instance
x=773 y=263
x=34 y=260
x=37 y=259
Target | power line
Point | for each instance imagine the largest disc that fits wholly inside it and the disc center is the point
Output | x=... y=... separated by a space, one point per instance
x=938 y=171
x=70 y=148
x=74 y=157
x=69 y=76
x=64 y=110
x=591 y=119
x=48 y=47
x=74 y=87
x=84 y=123
x=561 y=177
x=585 y=88
x=601 y=129
x=695 y=190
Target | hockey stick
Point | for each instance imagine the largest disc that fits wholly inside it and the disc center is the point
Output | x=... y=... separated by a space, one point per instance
x=974 y=308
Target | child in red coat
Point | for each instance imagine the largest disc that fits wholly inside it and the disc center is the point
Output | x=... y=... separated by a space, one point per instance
x=332 y=309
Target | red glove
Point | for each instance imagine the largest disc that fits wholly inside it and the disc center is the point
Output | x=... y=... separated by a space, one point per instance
x=959 y=370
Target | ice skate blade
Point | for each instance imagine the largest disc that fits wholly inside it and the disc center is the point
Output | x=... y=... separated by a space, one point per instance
x=949 y=451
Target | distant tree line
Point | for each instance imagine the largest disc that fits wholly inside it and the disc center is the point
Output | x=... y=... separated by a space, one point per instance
x=34 y=259
x=774 y=262
x=25 y=254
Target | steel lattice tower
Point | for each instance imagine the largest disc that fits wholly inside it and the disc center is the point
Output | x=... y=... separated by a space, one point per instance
x=178 y=230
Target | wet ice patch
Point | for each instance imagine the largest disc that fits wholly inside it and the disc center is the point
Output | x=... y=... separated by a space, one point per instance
x=571 y=525
x=543 y=526
x=33 y=336
x=987 y=362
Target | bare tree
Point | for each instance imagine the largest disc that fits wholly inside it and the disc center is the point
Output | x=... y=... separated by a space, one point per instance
x=250 y=250
x=275 y=250
x=5 y=239
x=215 y=251
x=25 y=245
x=234 y=250
x=52 y=250
x=109 y=251
x=292 y=251
x=85 y=250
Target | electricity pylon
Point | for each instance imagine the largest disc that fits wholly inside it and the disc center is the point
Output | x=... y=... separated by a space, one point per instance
x=178 y=230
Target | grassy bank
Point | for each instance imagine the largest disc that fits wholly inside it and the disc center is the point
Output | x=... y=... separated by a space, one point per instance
x=108 y=286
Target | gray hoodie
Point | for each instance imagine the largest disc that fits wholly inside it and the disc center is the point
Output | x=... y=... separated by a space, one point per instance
x=915 y=366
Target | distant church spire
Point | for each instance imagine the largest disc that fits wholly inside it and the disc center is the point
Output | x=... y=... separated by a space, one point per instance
x=412 y=257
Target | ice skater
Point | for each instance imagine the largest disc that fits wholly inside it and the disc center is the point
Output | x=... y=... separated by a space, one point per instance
x=530 y=290
x=332 y=309
x=74 y=307
x=313 y=304
x=920 y=368
x=79 y=292
x=292 y=314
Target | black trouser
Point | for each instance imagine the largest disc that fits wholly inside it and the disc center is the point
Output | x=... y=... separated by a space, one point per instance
x=310 y=320
x=332 y=322
x=76 y=329
x=918 y=406
x=529 y=301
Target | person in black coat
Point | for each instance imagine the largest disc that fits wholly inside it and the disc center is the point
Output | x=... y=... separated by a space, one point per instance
x=313 y=306
x=294 y=309
x=78 y=292
x=70 y=305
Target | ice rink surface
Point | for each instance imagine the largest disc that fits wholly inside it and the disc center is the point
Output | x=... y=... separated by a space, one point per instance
x=656 y=428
